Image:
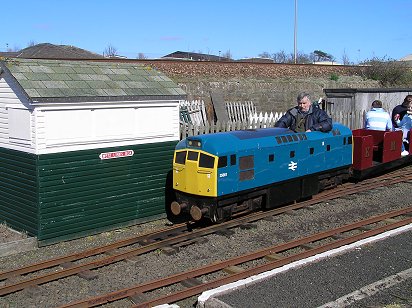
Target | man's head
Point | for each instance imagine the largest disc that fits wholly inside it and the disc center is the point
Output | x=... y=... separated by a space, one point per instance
x=304 y=102
x=377 y=104
x=407 y=100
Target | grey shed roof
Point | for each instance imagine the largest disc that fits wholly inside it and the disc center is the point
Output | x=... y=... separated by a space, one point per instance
x=78 y=81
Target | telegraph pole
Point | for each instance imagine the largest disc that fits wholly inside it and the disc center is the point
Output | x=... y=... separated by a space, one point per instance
x=295 y=32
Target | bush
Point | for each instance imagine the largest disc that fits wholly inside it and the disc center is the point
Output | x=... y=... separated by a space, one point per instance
x=388 y=72
x=334 y=77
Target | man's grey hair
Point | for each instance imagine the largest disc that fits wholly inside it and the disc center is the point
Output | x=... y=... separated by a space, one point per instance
x=302 y=95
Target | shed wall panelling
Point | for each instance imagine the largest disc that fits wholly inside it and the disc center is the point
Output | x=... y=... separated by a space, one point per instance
x=18 y=190
x=12 y=107
x=80 y=193
x=17 y=129
x=3 y=126
x=353 y=100
x=60 y=130
x=7 y=96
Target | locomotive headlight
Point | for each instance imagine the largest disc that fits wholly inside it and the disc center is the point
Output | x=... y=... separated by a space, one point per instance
x=195 y=143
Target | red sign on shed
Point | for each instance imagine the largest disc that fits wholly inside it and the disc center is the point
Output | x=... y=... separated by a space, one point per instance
x=117 y=154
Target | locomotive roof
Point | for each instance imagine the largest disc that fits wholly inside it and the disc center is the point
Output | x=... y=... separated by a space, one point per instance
x=226 y=142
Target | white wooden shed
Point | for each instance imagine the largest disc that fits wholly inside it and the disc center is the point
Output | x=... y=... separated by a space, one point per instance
x=85 y=146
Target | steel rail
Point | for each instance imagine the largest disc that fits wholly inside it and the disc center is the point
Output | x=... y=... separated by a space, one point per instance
x=94 y=251
x=214 y=267
x=116 y=257
x=269 y=266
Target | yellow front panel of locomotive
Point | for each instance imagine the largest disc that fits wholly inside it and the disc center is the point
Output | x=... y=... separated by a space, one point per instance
x=192 y=179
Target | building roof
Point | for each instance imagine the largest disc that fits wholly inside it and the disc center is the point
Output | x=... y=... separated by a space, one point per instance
x=194 y=56
x=9 y=54
x=406 y=58
x=51 y=51
x=85 y=81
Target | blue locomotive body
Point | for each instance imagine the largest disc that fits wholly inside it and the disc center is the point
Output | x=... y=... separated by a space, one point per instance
x=217 y=175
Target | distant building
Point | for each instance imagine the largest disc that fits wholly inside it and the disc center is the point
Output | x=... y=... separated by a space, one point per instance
x=407 y=59
x=327 y=63
x=194 y=56
x=51 y=51
x=9 y=54
x=256 y=60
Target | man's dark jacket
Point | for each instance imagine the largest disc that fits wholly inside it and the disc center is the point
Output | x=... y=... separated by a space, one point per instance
x=401 y=110
x=316 y=120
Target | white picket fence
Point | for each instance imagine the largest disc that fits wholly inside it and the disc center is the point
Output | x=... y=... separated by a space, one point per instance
x=193 y=112
x=196 y=122
x=239 y=111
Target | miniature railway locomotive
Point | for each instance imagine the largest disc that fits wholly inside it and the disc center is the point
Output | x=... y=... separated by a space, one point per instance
x=218 y=175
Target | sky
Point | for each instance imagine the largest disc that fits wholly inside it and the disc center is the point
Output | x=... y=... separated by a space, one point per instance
x=355 y=29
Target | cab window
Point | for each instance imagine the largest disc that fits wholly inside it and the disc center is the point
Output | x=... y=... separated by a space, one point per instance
x=206 y=161
x=193 y=155
x=222 y=162
x=180 y=157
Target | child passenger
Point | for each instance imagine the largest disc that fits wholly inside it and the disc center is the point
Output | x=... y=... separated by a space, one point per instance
x=406 y=125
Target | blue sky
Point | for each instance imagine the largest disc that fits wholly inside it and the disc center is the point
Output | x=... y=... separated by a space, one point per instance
x=360 y=29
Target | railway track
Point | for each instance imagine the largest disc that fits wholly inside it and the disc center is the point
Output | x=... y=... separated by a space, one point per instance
x=167 y=240
x=275 y=256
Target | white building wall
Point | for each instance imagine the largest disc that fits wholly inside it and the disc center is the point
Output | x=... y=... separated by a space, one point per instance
x=16 y=120
x=98 y=125
x=62 y=127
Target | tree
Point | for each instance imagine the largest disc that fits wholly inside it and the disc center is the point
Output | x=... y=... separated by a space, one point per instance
x=282 y=57
x=31 y=43
x=110 y=51
x=141 y=56
x=388 y=72
x=322 y=56
x=14 y=49
x=265 y=55
x=345 y=58
x=227 y=55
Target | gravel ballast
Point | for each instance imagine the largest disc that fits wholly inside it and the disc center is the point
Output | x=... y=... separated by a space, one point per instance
x=156 y=264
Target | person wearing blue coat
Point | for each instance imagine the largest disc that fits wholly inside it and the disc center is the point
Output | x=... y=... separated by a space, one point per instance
x=406 y=125
x=305 y=117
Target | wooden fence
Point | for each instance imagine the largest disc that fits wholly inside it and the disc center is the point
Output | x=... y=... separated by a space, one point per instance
x=197 y=124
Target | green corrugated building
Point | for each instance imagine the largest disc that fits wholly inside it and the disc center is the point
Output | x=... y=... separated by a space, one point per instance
x=84 y=146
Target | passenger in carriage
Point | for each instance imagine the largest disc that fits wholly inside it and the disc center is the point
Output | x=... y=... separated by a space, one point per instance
x=377 y=118
x=305 y=117
x=399 y=111
x=406 y=125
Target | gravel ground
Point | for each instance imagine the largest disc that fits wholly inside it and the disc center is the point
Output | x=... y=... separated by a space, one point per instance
x=156 y=264
x=7 y=235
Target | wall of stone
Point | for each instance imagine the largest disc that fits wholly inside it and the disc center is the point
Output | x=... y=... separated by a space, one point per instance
x=276 y=94
x=270 y=86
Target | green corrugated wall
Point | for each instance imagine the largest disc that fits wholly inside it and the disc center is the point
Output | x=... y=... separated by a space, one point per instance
x=73 y=194
x=18 y=190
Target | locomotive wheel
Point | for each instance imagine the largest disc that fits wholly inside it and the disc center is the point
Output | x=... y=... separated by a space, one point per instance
x=197 y=213
x=175 y=208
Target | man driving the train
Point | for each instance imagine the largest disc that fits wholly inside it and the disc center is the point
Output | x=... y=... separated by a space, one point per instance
x=305 y=117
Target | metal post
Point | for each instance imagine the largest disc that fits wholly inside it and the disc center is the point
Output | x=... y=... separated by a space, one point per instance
x=295 y=32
